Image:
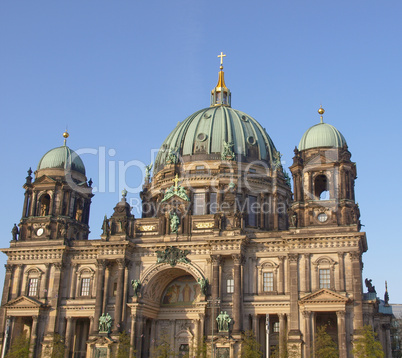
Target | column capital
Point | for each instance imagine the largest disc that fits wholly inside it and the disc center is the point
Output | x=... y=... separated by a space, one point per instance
x=238 y=259
x=9 y=267
x=281 y=258
x=58 y=265
x=216 y=260
x=306 y=314
x=355 y=255
x=340 y=314
x=293 y=258
x=101 y=264
x=307 y=256
x=121 y=263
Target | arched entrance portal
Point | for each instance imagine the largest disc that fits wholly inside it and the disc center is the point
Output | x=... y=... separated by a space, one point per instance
x=172 y=310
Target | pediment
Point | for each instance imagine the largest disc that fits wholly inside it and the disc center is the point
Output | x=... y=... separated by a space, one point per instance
x=44 y=179
x=322 y=158
x=24 y=302
x=323 y=296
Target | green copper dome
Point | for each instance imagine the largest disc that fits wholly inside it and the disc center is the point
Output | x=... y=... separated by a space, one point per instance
x=203 y=135
x=62 y=158
x=322 y=135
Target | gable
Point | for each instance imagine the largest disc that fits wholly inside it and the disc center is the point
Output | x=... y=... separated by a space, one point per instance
x=323 y=296
x=24 y=302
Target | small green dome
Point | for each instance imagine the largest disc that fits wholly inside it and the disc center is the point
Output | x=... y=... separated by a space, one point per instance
x=62 y=158
x=322 y=135
x=201 y=136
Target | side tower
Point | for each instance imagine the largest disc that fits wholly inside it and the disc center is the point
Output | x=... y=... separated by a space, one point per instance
x=57 y=202
x=55 y=216
x=323 y=180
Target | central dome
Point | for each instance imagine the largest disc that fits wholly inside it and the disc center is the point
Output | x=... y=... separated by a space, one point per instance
x=211 y=133
x=62 y=158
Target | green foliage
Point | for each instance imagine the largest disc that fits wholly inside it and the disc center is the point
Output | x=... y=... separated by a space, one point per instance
x=59 y=347
x=367 y=346
x=250 y=347
x=201 y=351
x=124 y=345
x=163 y=348
x=19 y=347
x=284 y=354
x=325 y=347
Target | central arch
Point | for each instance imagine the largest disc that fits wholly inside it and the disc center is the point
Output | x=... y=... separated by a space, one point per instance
x=158 y=276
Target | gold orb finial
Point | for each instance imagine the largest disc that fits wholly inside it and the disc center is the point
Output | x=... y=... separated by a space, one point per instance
x=65 y=135
x=321 y=111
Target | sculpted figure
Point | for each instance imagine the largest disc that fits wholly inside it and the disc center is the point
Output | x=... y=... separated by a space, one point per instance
x=174 y=223
x=15 y=232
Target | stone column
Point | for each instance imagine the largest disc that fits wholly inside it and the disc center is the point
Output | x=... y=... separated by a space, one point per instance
x=132 y=334
x=73 y=280
x=153 y=335
x=281 y=278
x=307 y=337
x=307 y=274
x=256 y=328
x=341 y=271
x=100 y=275
x=54 y=298
x=172 y=332
x=69 y=330
x=34 y=336
x=106 y=286
x=202 y=327
x=237 y=314
x=357 y=290
x=139 y=334
x=16 y=281
x=196 y=335
x=216 y=262
x=294 y=294
x=45 y=288
x=341 y=334
x=262 y=214
x=7 y=284
x=119 y=295
x=276 y=216
x=282 y=334
x=125 y=292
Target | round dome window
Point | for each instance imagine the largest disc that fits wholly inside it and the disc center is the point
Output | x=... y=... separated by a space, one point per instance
x=251 y=140
x=201 y=137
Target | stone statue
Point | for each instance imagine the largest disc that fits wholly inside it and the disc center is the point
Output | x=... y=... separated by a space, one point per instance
x=237 y=219
x=223 y=320
x=172 y=255
x=227 y=153
x=174 y=223
x=369 y=285
x=287 y=179
x=386 y=295
x=203 y=284
x=147 y=172
x=15 y=232
x=277 y=163
x=181 y=193
x=172 y=157
x=136 y=286
x=105 y=227
x=43 y=210
x=105 y=323
x=168 y=194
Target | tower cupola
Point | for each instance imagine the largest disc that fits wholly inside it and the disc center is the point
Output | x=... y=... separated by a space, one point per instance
x=220 y=95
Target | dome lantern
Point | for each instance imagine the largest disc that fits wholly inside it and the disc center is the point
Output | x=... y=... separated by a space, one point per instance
x=220 y=95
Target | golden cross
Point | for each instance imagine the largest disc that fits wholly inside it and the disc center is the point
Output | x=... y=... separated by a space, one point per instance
x=221 y=56
x=176 y=181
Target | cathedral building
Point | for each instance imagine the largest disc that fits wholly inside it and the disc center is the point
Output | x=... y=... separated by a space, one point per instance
x=223 y=246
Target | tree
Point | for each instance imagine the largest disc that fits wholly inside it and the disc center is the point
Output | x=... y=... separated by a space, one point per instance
x=19 y=347
x=163 y=348
x=201 y=351
x=250 y=347
x=367 y=346
x=124 y=345
x=59 y=347
x=325 y=347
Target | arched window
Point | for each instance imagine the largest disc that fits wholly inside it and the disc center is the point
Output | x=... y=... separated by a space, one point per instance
x=44 y=205
x=321 y=187
x=33 y=279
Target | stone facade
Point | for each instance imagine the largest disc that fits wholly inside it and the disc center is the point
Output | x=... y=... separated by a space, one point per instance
x=216 y=235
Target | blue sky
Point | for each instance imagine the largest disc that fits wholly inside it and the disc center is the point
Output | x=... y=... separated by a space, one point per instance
x=121 y=74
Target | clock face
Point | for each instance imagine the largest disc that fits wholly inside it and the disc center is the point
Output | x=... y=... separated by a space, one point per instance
x=322 y=218
x=39 y=232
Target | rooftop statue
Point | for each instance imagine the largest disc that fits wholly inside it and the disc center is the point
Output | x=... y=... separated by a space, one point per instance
x=223 y=320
